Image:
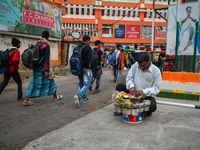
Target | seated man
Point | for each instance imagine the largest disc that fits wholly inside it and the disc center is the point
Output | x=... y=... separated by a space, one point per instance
x=143 y=80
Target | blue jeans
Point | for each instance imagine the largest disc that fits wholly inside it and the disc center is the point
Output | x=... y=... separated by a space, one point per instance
x=84 y=83
x=96 y=74
x=116 y=69
x=105 y=62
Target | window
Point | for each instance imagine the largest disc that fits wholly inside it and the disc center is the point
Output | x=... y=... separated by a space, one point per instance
x=77 y=11
x=108 y=14
x=155 y=15
x=113 y=13
x=66 y=10
x=88 y=11
x=102 y=12
x=93 y=12
x=82 y=11
x=106 y=31
x=118 y=13
x=138 y=14
x=165 y=14
x=150 y=15
x=129 y=13
x=124 y=13
x=133 y=13
x=145 y=14
x=159 y=15
x=71 y=10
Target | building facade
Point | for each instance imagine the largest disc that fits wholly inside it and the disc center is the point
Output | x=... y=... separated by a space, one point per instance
x=115 y=21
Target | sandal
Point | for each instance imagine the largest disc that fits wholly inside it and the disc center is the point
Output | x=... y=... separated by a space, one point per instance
x=59 y=97
x=28 y=104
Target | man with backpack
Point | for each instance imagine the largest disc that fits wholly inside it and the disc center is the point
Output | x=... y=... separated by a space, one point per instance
x=42 y=82
x=96 y=73
x=85 y=76
x=116 y=66
x=13 y=66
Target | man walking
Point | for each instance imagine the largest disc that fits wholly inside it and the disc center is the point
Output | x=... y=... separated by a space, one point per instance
x=143 y=80
x=105 y=56
x=85 y=78
x=42 y=83
x=96 y=74
x=13 y=69
x=116 y=66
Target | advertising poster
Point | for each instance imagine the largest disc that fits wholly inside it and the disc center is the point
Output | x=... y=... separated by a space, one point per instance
x=146 y=32
x=160 y=32
x=30 y=17
x=133 y=32
x=119 y=31
x=187 y=29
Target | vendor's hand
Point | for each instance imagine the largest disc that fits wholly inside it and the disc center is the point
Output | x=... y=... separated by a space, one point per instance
x=138 y=93
x=46 y=74
x=132 y=90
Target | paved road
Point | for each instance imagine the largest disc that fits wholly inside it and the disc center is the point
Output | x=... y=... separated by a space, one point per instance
x=169 y=128
x=20 y=125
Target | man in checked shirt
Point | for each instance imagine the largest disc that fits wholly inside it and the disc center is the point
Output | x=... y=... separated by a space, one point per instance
x=143 y=80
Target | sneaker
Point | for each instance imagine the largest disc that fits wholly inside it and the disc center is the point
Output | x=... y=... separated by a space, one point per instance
x=85 y=101
x=76 y=100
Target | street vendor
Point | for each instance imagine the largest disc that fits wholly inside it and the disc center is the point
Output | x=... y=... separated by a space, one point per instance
x=143 y=80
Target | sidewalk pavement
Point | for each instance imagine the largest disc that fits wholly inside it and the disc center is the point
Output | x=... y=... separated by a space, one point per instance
x=169 y=128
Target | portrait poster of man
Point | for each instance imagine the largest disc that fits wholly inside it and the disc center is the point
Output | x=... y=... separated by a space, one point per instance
x=187 y=20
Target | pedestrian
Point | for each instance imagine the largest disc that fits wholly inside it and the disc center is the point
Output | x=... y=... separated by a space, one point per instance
x=134 y=54
x=85 y=78
x=143 y=80
x=14 y=58
x=96 y=74
x=105 y=57
x=129 y=58
x=116 y=66
x=42 y=82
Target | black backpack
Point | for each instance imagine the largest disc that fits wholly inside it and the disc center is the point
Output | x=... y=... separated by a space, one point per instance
x=4 y=60
x=76 y=64
x=94 y=61
x=31 y=57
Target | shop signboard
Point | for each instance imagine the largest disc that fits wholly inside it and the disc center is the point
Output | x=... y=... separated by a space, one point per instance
x=133 y=32
x=30 y=17
x=119 y=31
x=160 y=32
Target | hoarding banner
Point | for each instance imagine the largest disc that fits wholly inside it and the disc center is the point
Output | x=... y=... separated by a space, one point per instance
x=146 y=32
x=30 y=17
x=119 y=31
x=38 y=19
x=133 y=32
x=160 y=32
x=187 y=29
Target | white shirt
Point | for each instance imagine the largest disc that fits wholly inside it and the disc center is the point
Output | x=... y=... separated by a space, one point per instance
x=149 y=81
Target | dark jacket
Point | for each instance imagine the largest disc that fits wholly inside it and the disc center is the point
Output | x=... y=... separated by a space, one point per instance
x=86 y=55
